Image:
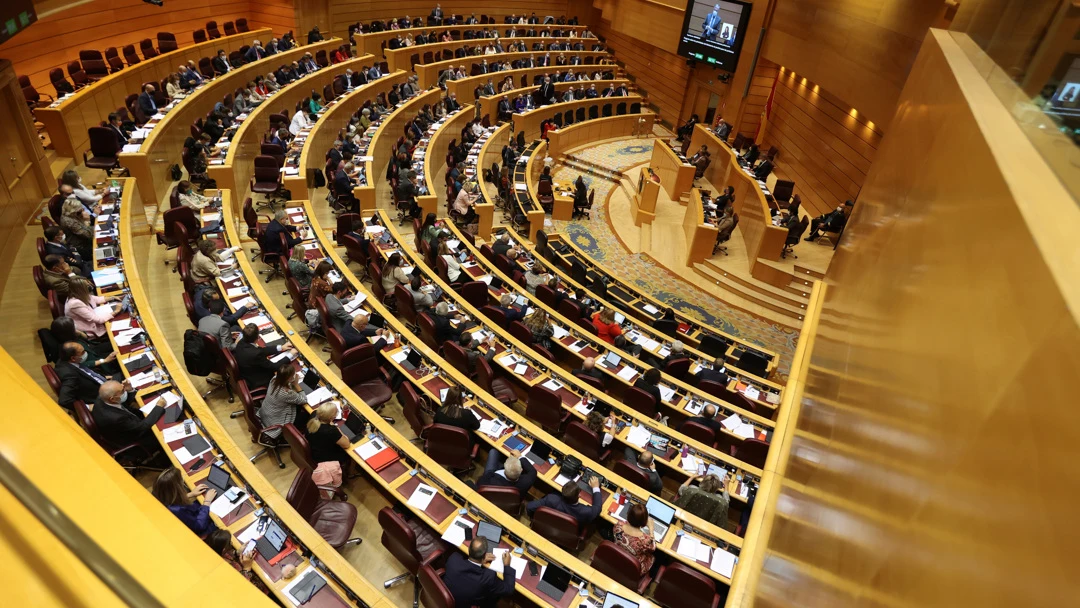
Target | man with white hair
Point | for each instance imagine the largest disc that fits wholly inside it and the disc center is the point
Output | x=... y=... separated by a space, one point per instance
x=360 y=330
x=678 y=351
x=512 y=472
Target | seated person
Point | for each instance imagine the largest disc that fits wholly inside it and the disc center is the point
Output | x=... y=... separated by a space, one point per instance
x=56 y=244
x=471 y=582
x=472 y=349
x=540 y=327
x=631 y=536
x=256 y=368
x=119 y=420
x=325 y=439
x=513 y=472
x=170 y=490
x=566 y=501
x=360 y=330
x=58 y=275
x=534 y=277
x=444 y=328
x=454 y=413
x=81 y=377
x=421 y=299
x=335 y=306
x=506 y=305
x=650 y=383
x=208 y=293
x=588 y=368
x=709 y=501
x=644 y=462
x=707 y=419
x=833 y=221
x=715 y=374
x=502 y=246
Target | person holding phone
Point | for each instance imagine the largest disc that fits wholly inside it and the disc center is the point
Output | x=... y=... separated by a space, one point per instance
x=222 y=543
x=472 y=583
x=170 y=491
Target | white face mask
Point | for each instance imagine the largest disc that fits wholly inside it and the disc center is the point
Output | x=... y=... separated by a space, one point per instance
x=84 y=357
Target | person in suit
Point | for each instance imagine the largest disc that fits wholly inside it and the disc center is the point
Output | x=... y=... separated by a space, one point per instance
x=762 y=171
x=253 y=360
x=214 y=325
x=146 y=100
x=272 y=48
x=506 y=305
x=208 y=293
x=255 y=53
x=278 y=226
x=80 y=376
x=644 y=462
x=472 y=583
x=334 y=154
x=189 y=79
x=221 y=63
x=55 y=244
x=58 y=275
x=360 y=329
x=716 y=374
x=711 y=27
x=314 y=35
x=566 y=501
x=547 y=91
x=116 y=126
x=723 y=130
x=833 y=221
x=472 y=350
x=649 y=382
x=513 y=472
x=437 y=15
x=444 y=328
x=707 y=418
x=452 y=104
x=751 y=155
x=335 y=306
x=119 y=422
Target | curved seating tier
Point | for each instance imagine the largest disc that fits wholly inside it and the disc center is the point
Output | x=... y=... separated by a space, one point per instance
x=68 y=119
x=522 y=76
x=591 y=131
x=489 y=104
x=428 y=73
x=408 y=57
x=377 y=42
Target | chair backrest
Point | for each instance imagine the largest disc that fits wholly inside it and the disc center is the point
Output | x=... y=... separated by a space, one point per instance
x=359 y=364
x=212 y=30
x=583 y=439
x=166 y=42
x=427 y=330
x=304 y=494
x=495 y=315
x=698 y=431
x=522 y=333
x=630 y=471
x=299 y=449
x=558 y=527
x=546 y=295
x=435 y=593
x=455 y=356
x=103 y=143
x=179 y=216
x=713 y=388
x=506 y=498
x=752 y=452
x=449 y=446
x=411 y=406
x=146 y=45
x=230 y=29
x=678 y=368
x=399 y=539
x=569 y=309
x=682 y=586
x=544 y=407
x=618 y=563
x=266 y=169
x=242 y=25
x=376 y=281
x=199 y=36
x=406 y=307
x=475 y=293
x=640 y=400
x=130 y=56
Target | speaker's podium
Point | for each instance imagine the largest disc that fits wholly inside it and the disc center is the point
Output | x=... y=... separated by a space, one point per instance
x=643 y=203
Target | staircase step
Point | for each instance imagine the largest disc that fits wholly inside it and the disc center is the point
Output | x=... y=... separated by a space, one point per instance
x=788 y=295
x=803 y=270
x=792 y=312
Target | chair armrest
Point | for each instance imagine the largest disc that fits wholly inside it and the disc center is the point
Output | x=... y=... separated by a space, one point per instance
x=265 y=430
x=435 y=555
x=336 y=492
x=475 y=450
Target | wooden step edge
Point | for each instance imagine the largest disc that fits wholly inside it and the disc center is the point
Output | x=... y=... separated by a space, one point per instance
x=769 y=305
x=802 y=294
x=802 y=270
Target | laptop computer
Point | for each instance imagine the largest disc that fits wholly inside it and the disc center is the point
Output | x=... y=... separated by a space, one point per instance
x=496 y=283
x=615 y=601
x=554 y=582
x=413 y=360
x=272 y=541
x=520 y=301
x=218 y=479
x=662 y=514
x=353 y=428
x=658 y=444
x=491 y=532
x=611 y=360
x=463 y=256
x=538 y=453
x=619 y=318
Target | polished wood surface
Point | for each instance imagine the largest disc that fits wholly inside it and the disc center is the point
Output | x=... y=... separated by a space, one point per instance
x=700 y=234
x=279 y=15
x=753 y=105
x=676 y=173
x=560 y=141
x=643 y=202
x=67 y=123
x=489 y=104
x=164 y=145
x=345 y=12
x=922 y=432
x=529 y=122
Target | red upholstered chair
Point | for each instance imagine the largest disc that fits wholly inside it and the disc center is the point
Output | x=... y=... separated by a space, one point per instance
x=546 y=295
x=545 y=408
x=506 y=498
x=559 y=528
x=128 y=456
x=130 y=56
x=700 y=432
x=752 y=452
x=230 y=29
x=166 y=42
x=112 y=57
x=241 y=25
x=39 y=280
x=405 y=307
x=146 y=45
x=475 y=293
x=78 y=76
x=39 y=244
x=266 y=179
x=299 y=450
x=456 y=357
x=495 y=315
x=360 y=370
x=497 y=387
x=206 y=67
x=522 y=333
x=376 y=282
x=640 y=400
x=93 y=63
x=199 y=36
x=212 y=30
x=184 y=216
x=413 y=408
x=630 y=471
x=714 y=388
x=56 y=77
x=56 y=305
x=621 y=565
x=258 y=432
x=680 y=586
x=51 y=378
x=56 y=204
x=585 y=441
x=399 y=538
x=212 y=349
x=678 y=369
x=344 y=226
x=105 y=149
x=451 y=447
x=435 y=594
x=332 y=519
x=427 y=330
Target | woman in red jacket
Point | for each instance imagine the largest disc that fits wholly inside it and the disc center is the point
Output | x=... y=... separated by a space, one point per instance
x=606 y=327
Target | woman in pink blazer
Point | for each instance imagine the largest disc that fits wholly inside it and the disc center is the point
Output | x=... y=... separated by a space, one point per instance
x=84 y=309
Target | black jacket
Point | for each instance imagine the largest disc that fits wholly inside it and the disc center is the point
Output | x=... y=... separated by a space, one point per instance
x=255 y=366
x=474 y=585
x=77 y=383
x=652 y=389
x=271 y=240
x=523 y=483
x=444 y=330
x=584 y=514
x=220 y=64
x=124 y=425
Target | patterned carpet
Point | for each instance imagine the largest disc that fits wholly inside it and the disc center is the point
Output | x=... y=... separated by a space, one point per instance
x=595 y=238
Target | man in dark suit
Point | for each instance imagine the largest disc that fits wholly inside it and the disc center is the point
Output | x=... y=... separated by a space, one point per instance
x=764 y=169
x=707 y=418
x=255 y=53
x=724 y=130
x=441 y=319
x=506 y=302
x=221 y=64
x=452 y=104
x=712 y=24
x=833 y=221
x=361 y=329
x=505 y=112
x=115 y=125
x=343 y=186
x=146 y=100
x=437 y=15
x=120 y=423
x=644 y=463
x=513 y=472
x=472 y=583
x=80 y=379
x=547 y=91
x=254 y=362
x=566 y=501
x=649 y=382
x=716 y=374
x=314 y=35
x=278 y=226
x=334 y=154
x=55 y=245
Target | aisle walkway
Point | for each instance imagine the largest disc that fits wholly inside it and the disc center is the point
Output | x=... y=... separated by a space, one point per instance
x=597 y=238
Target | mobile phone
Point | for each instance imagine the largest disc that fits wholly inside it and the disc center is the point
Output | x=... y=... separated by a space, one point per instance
x=468 y=534
x=198 y=464
x=249 y=548
x=533 y=568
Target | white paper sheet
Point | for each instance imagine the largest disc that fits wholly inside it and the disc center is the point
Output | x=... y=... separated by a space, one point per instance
x=694 y=407
x=177 y=432
x=517 y=563
x=745 y=431
x=690 y=463
x=319 y=395
x=455 y=533
x=422 y=496
x=639 y=436
x=627 y=373
x=369 y=449
x=666 y=393
x=558 y=332
x=752 y=393
x=250 y=533
x=732 y=422
x=723 y=563
x=688 y=546
x=400 y=356
x=120 y=325
x=520 y=368
x=222 y=506
x=652 y=310
x=492 y=428
x=551 y=385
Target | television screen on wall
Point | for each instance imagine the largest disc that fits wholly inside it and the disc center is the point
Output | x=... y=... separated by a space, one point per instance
x=15 y=16
x=713 y=32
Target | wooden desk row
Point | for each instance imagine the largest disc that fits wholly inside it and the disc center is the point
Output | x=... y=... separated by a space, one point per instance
x=428 y=73
x=429 y=157
x=591 y=131
x=489 y=104
x=376 y=42
x=406 y=57
x=579 y=110
x=161 y=379
x=163 y=146
x=68 y=119
x=430 y=384
x=676 y=174
x=400 y=479
x=466 y=86
x=234 y=170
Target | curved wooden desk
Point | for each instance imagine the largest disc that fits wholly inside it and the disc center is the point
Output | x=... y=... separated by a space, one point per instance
x=343 y=581
x=595 y=130
x=402 y=58
x=400 y=479
x=676 y=174
x=238 y=163
x=529 y=122
x=436 y=144
x=466 y=86
x=428 y=73
x=489 y=104
x=376 y=42
x=68 y=120
x=762 y=239
x=164 y=145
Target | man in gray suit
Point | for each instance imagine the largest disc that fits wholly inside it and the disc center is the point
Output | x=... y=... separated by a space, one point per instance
x=712 y=24
x=335 y=306
x=214 y=325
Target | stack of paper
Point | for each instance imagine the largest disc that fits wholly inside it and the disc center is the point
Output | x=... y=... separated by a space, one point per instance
x=694 y=407
x=222 y=506
x=109 y=276
x=688 y=546
x=127 y=336
x=627 y=373
x=666 y=393
x=752 y=393
x=732 y=422
x=120 y=325
x=520 y=369
x=319 y=395
x=723 y=563
x=180 y=431
x=422 y=496
x=652 y=310
x=744 y=430
x=517 y=563
x=142 y=380
x=455 y=532
x=492 y=428
x=638 y=435
x=690 y=463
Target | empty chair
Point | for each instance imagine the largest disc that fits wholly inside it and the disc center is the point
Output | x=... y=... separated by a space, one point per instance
x=752 y=452
x=130 y=56
x=400 y=538
x=435 y=592
x=212 y=30
x=199 y=36
x=230 y=29
x=31 y=95
x=332 y=518
x=506 y=498
x=794 y=237
x=560 y=528
x=640 y=400
x=361 y=372
x=242 y=25
x=680 y=586
x=698 y=432
x=112 y=57
x=620 y=565
x=166 y=42
x=93 y=63
x=267 y=179
x=61 y=84
x=78 y=76
x=450 y=446
x=585 y=441
x=500 y=388
x=105 y=149
x=147 y=48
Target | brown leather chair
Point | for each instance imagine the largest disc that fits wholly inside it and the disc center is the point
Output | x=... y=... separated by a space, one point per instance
x=230 y=29
x=360 y=370
x=620 y=565
x=256 y=429
x=412 y=405
x=698 y=431
x=546 y=295
x=435 y=594
x=678 y=369
x=332 y=518
x=212 y=349
x=495 y=315
x=559 y=528
x=405 y=306
x=630 y=472
x=105 y=150
x=680 y=586
x=752 y=452
x=354 y=252
x=242 y=25
x=451 y=447
x=585 y=441
x=497 y=387
x=506 y=498
x=166 y=42
x=199 y=36
x=426 y=325
x=129 y=456
x=456 y=357
x=39 y=280
x=212 y=30
x=299 y=450
x=522 y=333
x=475 y=293
x=640 y=400
x=714 y=388
x=399 y=538
x=545 y=408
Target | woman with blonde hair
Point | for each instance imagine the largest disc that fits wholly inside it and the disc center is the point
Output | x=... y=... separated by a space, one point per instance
x=540 y=327
x=709 y=500
x=299 y=267
x=87 y=310
x=326 y=441
x=170 y=491
x=75 y=221
x=606 y=327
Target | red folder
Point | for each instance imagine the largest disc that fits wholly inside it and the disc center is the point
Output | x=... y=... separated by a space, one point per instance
x=383 y=459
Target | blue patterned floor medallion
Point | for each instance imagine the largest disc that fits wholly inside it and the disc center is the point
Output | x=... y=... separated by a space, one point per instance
x=630 y=150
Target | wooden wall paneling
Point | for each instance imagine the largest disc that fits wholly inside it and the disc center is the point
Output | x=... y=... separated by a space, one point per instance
x=957 y=205
x=56 y=40
x=594 y=131
x=1009 y=31
x=661 y=74
x=345 y=12
x=310 y=13
x=753 y=104
x=278 y=15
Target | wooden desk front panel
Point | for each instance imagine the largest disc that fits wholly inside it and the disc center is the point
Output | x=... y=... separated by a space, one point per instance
x=400 y=58
x=428 y=73
x=529 y=122
x=489 y=104
x=464 y=88
x=373 y=42
x=595 y=130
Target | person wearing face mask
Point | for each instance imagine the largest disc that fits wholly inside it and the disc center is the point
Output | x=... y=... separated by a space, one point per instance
x=119 y=420
x=80 y=376
x=56 y=244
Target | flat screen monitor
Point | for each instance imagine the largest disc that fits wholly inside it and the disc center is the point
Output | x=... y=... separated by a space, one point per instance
x=614 y=601
x=713 y=32
x=15 y=16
